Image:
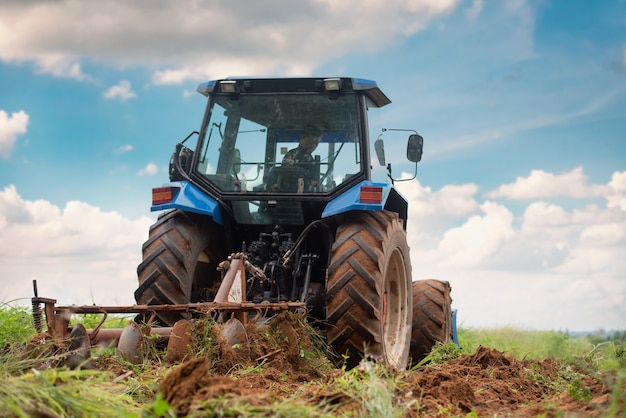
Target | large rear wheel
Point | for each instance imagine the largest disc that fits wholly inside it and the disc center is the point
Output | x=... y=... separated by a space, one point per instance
x=179 y=263
x=368 y=290
x=432 y=317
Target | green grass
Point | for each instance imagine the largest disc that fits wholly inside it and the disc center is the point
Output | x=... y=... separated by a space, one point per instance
x=16 y=324
x=525 y=344
x=591 y=352
x=64 y=393
x=30 y=387
x=92 y=320
x=25 y=391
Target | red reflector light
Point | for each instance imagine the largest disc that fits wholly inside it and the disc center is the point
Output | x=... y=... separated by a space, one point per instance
x=161 y=195
x=371 y=194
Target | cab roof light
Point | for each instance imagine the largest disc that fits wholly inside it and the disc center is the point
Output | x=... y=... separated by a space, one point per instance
x=371 y=194
x=161 y=195
x=228 y=86
x=332 y=84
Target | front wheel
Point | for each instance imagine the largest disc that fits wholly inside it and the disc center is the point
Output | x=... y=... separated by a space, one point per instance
x=432 y=317
x=368 y=290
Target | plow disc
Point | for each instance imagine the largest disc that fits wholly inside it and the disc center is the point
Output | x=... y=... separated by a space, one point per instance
x=230 y=308
x=129 y=341
x=79 y=350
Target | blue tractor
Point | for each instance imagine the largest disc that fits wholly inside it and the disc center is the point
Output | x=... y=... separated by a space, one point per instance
x=314 y=228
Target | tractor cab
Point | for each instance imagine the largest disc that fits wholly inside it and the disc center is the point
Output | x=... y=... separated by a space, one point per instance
x=248 y=133
x=280 y=151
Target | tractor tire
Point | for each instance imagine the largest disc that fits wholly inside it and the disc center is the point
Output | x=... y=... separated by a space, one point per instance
x=368 y=290
x=182 y=252
x=432 y=317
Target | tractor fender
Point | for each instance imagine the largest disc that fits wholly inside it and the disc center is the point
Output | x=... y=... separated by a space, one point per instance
x=189 y=198
x=368 y=196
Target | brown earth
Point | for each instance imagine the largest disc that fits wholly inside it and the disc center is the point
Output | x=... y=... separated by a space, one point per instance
x=491 y=383
x=487 y=383
x=284 y=359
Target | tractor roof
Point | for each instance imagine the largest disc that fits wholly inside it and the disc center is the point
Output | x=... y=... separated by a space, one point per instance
x=332 y=85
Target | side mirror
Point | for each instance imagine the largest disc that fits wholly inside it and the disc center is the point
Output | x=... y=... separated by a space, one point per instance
x=415 y=148
x=379 y=146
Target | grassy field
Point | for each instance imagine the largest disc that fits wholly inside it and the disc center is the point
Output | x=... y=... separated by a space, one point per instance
x=31 y=385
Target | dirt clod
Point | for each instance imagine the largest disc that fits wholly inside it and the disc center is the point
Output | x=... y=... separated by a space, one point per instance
x=490 y=383
x=192 y=382
x=278 y=362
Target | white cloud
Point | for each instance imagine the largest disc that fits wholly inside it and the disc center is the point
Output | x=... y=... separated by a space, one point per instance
x=604 y=234
x=122 y=91
x=616 y=195
x=10 y=128
x=59 y=66
x=449 y=201
x=480 y=238
x=549 y=268
x=247 y=38
x=150 y=169
x=124 y=149
x=78 y=253
x=541 y=184
x=442 y=208
x=170 y=76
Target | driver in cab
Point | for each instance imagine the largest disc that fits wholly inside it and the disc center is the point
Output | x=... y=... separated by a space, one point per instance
x=309 y=140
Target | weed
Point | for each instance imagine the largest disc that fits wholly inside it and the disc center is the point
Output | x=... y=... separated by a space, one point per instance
x=204 y=338
x=64 y=393
x=371 y=390
x=618 y=395
x=17 y=325
x=373 y=385
x=251 y=369
x=91 y=321
x=440 y=354
x=577 y=391
x=160 y=408
x=539 y=378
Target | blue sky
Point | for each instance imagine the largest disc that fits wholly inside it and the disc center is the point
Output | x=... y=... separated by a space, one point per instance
x=520 y=200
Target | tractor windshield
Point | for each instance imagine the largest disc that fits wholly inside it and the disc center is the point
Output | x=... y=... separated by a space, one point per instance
x=248 y=143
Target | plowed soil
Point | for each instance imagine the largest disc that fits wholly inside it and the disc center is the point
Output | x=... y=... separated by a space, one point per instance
x=491 y=383
x=486 y=383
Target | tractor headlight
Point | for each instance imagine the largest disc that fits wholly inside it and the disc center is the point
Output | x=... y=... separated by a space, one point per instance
x=228 y=86
x=332 y=84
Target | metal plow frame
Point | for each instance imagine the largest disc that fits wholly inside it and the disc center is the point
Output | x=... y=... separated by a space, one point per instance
x=128 y=340
x=58 y=317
